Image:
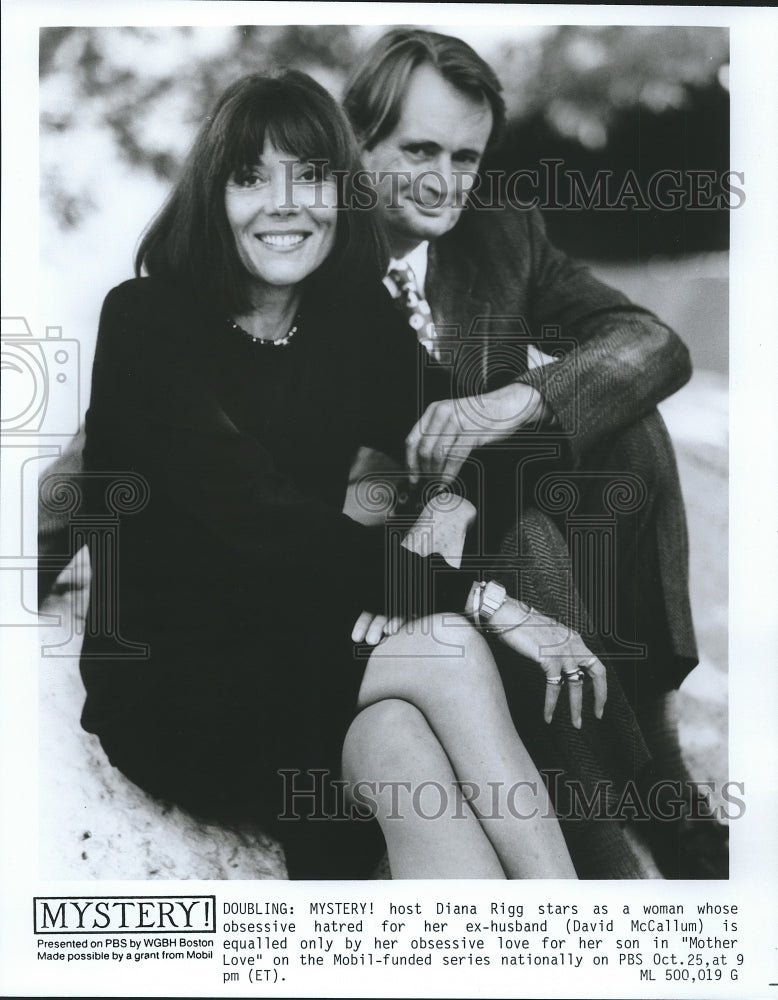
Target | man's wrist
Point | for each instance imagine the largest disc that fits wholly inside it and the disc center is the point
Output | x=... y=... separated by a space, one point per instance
x=523 y=406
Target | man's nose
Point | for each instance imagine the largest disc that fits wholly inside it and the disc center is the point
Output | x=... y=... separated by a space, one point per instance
x=438 y=179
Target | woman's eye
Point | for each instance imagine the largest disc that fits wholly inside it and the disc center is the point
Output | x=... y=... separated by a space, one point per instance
x=248 y=178
x=311 y=173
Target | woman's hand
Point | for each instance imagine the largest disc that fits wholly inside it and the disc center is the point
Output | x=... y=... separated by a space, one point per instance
x=561 y=653
x=372 y=628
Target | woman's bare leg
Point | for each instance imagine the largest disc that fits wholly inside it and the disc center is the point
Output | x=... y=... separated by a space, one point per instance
x=447 y=671
x=389 y=753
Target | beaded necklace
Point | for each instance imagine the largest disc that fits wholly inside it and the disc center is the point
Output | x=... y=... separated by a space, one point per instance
x=262 y=340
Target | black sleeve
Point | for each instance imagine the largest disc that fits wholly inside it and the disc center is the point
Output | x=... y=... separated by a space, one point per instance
x=398 y=377
x=152 y=410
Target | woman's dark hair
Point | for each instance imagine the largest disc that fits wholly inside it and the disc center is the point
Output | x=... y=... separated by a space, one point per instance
x=376 y=90
x=190 y=241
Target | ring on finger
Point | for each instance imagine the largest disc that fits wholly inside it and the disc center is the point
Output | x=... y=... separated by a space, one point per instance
x=555 y=681
x=574 y=676
x=588 y=664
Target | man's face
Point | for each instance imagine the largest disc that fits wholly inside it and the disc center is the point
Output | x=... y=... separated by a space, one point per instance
x=428 y=164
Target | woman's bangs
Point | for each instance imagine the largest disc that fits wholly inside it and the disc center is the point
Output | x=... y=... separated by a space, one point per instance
x=247 y=144
x=303 y=135
x=307 y=126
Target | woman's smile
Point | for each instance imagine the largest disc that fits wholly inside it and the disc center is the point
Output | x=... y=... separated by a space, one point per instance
x=283 y=240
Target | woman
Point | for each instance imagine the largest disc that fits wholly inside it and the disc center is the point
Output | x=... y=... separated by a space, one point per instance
x=237 y=380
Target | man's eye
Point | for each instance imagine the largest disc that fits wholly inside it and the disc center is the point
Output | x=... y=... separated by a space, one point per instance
x=419 y=153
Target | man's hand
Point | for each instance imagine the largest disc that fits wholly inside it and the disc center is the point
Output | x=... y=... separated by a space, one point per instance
x=450 y=429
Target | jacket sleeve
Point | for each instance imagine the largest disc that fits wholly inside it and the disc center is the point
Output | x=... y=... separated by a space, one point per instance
x=625 y=360
x=153 y=410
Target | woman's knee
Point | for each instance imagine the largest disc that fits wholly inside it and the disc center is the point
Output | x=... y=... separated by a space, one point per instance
x=431 y=660
x=439 y=637
x=385 y=737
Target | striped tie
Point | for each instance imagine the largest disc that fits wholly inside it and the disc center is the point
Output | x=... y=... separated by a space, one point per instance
x=414 y=306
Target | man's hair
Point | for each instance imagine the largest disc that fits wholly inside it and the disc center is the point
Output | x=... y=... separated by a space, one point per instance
x=376 y=90
x=190 y=241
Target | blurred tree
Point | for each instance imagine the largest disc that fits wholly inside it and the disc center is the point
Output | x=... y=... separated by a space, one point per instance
x=581 y=78
x=141 y=93
x=624 y=101
x=134 y=96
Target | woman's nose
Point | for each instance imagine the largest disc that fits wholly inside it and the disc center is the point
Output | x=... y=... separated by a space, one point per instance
x=280 y=193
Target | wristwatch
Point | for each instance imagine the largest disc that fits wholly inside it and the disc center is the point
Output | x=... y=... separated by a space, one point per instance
x=492 y=598
x=489 y=598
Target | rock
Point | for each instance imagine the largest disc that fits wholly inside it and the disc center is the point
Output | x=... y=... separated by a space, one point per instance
x=101 y=824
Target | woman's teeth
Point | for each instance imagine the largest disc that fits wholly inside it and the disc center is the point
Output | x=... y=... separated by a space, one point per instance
x=279 y=240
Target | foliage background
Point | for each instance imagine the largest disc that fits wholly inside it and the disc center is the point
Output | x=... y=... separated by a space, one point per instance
x=631 y=97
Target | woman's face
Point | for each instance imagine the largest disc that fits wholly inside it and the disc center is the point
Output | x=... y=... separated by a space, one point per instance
x=283 y=215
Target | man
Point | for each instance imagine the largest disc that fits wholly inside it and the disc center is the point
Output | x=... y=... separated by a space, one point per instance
x=426 y=108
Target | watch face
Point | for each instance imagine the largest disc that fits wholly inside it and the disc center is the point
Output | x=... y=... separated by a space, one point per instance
x=492 y=599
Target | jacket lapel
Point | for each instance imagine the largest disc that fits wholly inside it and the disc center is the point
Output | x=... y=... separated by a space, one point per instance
x=452 y=290
x=461 y=312
x=463 y=306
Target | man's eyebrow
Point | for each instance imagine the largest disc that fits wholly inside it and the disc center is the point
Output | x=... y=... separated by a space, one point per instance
x=474 y=154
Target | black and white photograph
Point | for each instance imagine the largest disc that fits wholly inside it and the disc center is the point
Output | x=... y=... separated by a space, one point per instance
x=389 y=497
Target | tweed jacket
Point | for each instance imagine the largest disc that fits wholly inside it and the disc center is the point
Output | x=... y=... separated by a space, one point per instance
x=497 y=274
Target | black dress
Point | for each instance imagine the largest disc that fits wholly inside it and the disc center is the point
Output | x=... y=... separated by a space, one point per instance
x=239 y=573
